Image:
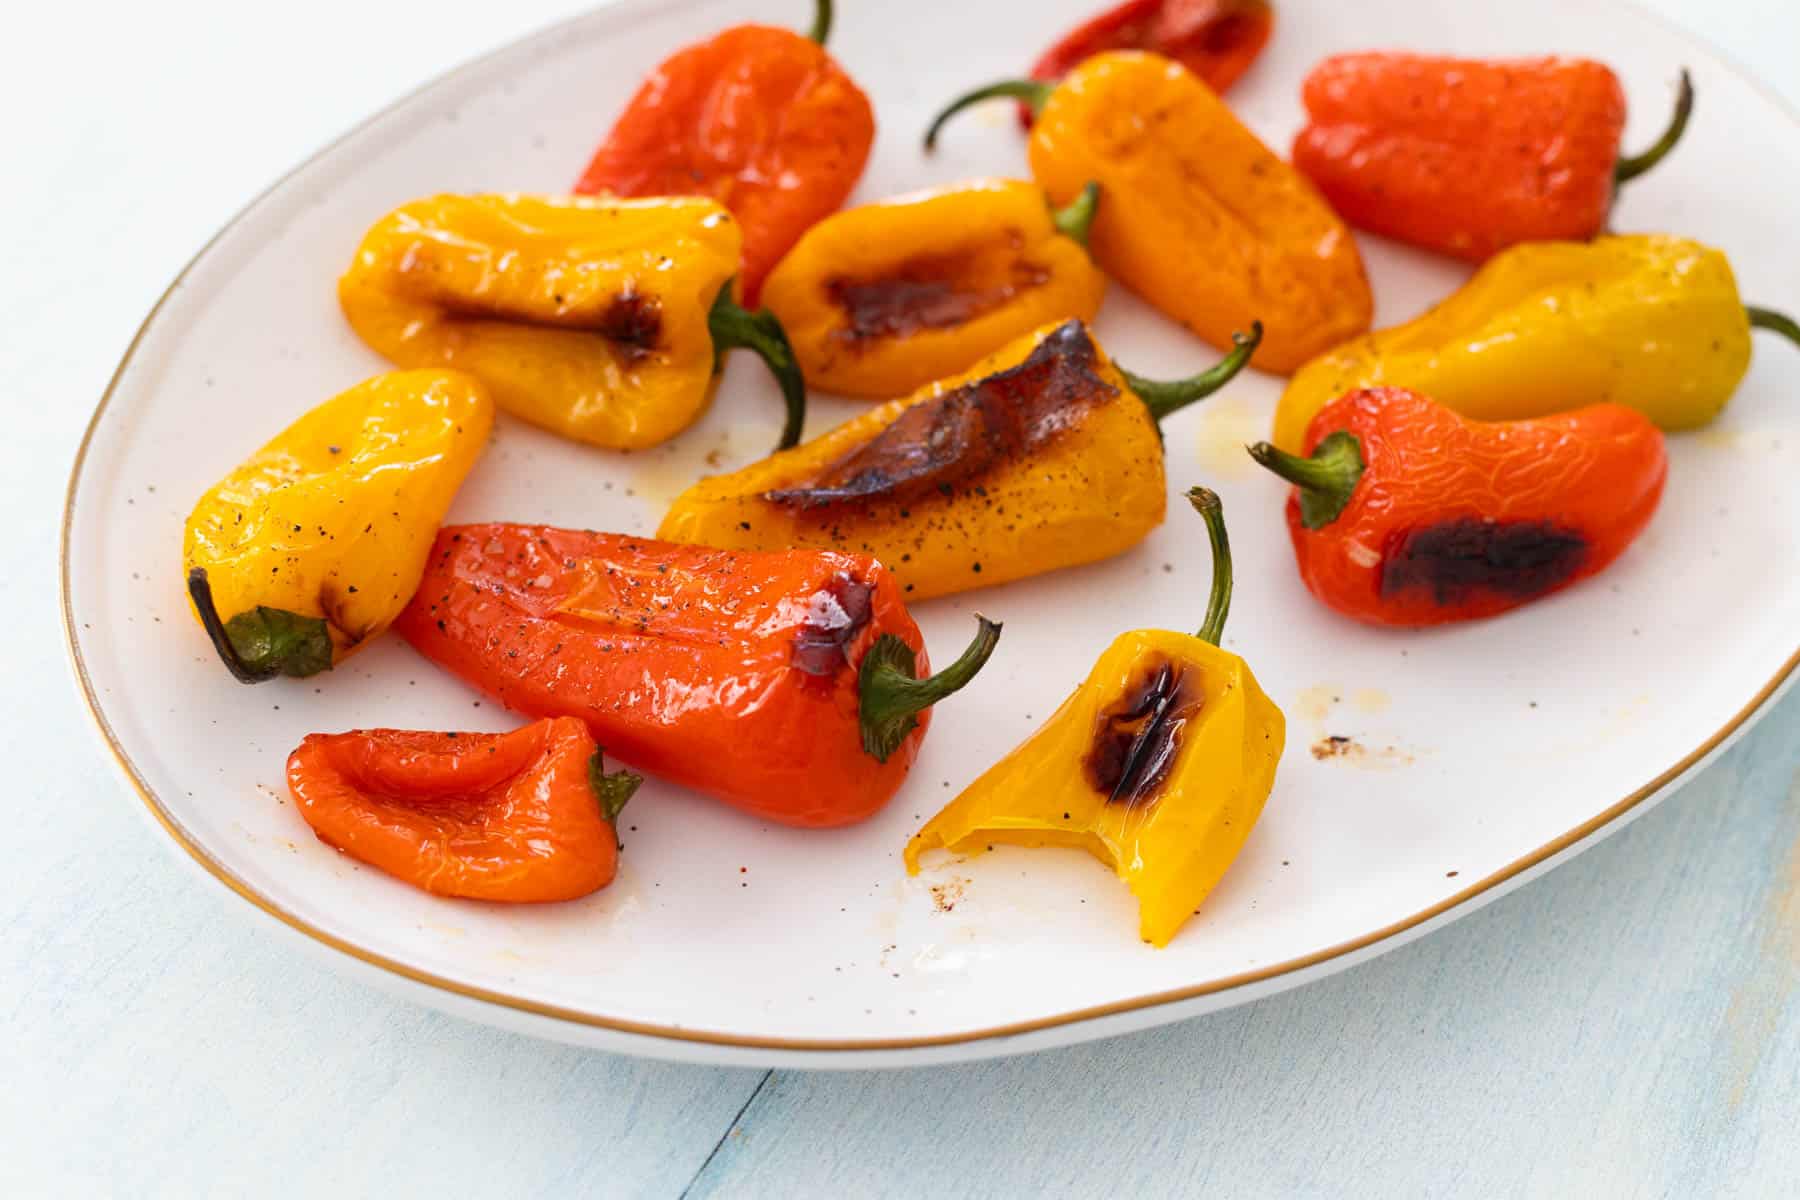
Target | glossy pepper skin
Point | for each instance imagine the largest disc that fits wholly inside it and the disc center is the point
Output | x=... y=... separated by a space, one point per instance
x=1654 y=323
x=760 y=119
x=1468 y=156
x=600 y=320
x=522 y=817
x=313 y=544
x=1044 y=455
x=883 y=299
x=780 y=683
x=1407 y=514
x=1198 y=217
x=1158 y=765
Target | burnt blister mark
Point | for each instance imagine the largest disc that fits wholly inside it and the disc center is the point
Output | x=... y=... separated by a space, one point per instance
x=632 y=321
x=939 y=443
x=1454 y=559
x=926 y=292
x=1137 y=737
x=835 y=615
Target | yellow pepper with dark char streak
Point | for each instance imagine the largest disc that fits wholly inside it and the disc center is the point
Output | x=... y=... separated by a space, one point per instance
x=601 y=320
x=882 y=299
x=1158 y=765
x=1044 y=455
x=316 y=542
x=1651 y=322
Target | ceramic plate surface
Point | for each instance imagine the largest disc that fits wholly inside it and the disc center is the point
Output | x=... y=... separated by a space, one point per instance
x=1486 y=751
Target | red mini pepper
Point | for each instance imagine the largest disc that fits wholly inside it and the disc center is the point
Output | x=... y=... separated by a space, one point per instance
x=758 y=118
x=520 y=816
x=1405 y=513
x=1470 y=156
x=781 y=682
x=1215 y=39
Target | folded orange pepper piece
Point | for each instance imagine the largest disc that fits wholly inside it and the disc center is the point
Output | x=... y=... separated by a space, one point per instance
x=1200 y=218
x=523 y=816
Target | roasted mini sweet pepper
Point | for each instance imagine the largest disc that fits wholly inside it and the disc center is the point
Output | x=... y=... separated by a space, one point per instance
x=1199 y=217
x=760 y=119
x=1044 y=455
x=1470 y=156
x=602 y=320
x=524 y=816
x=885 y=298
x=314 y=543
x=1405 y=513
x=782 y=683
x=1215 y=39
x=1653 y=323
x=1158 y=765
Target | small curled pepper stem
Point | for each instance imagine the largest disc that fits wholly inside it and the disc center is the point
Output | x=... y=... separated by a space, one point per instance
x=1768 y=318
x=1326 y=480
x=890 y=699
x=1637 y=164
x=1206 y=502
x=611 y=789
x=264 y=642
x=1077 y=218
x=1034 y=92
x=1163 y=398
x=735 y=327
x=821 y=26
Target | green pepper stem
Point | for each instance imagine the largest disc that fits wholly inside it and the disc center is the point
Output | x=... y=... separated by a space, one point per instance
x=891 y=699
x=733 y=326
x=1326 y=480
x=611 y=790
x=1637 y=164
x=1768 y=318
x=1034 y=92
x=821 y=26
x=1206 y=502
x=1075 y=220
x=264 y=642
x=1163 y=398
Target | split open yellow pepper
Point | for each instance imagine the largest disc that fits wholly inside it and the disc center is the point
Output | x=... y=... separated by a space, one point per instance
x=315 y=543
x=1648 y=321
x=1044 y=455
x=1158 y=765
x=603 y=320
x=882 y=299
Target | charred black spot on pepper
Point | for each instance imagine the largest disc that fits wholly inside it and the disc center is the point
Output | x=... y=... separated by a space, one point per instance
x=955 y=437
x=1136 y=737
x=835 y=615
x=930 y=291
x=633 y=322
x=1453 y=559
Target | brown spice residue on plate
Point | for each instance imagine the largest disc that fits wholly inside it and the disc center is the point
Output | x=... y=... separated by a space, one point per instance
x=1340 y=747
x=944 y=896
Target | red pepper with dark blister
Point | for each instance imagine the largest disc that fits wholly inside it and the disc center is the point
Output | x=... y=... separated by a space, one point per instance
x=1405 y=513
x=1470 y=156
x=781 y=682
x=760 y=119
x=1215 y=39
x=522 y=816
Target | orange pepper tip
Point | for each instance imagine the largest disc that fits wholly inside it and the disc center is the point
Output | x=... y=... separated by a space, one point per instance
x=1206 y=502
x=1077 y=218
x=1170 y=396
x=263 y=642
x=1327 y=479
x=1034 y=92
x=1637 y=164
x=821 y=26
x=1768 y=318
x=890 y=699
x=735 y=327
x=612 y=790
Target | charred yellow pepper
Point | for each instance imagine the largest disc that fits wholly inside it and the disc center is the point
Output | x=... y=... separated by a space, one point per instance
x=602 y=320
x=316 y=542
x=1044 y=455
x=1158 y=765
x=1651 y=322
x=883 y=299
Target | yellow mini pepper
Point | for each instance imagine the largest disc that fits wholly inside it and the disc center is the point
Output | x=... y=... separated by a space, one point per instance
x=1158 y=765
x=1199 y=217
x=316 y=542
x=1044 y=455
x=1651 y=322
x=602 y=320
x=883 y=299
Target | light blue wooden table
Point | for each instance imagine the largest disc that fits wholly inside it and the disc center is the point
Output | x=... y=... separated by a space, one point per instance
x=1629 y=1025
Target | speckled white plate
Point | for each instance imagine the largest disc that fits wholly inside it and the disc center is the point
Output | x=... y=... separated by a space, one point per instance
x=1489 y=752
